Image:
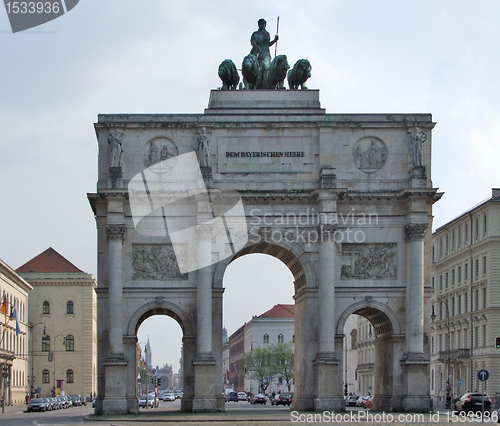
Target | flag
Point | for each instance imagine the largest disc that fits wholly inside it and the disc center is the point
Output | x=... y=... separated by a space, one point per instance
x=16 y=317
x=3 y=309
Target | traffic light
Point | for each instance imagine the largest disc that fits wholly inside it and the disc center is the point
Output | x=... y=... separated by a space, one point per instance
x=159 y=382
x=497 y=342
x=151 y=380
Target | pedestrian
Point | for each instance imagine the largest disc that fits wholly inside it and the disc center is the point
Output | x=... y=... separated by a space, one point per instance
x=27 y=399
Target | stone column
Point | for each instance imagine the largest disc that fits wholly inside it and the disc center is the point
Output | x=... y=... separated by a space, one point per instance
x=204 y=363
x=328 y=366
x=116 y=236
x=415 y=233
x=415 y=363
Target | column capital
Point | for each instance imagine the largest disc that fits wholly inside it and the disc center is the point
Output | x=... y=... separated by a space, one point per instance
x=204 y=233
x=415 y=231
x=116 y=231
x=327 y=230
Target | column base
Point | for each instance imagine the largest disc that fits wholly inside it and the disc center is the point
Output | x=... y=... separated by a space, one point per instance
x=328 y=386
x=303 y=403
x=415 y=396
x=115 y=400
x=205 y=400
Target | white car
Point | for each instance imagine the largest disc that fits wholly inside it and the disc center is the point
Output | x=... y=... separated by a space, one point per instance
x=242 y=396
x=169 y=397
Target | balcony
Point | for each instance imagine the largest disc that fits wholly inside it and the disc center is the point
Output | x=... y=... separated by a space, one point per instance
x=455 y=354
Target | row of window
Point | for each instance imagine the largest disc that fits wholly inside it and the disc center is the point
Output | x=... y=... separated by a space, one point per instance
x=459 y=304
x=13 y=343
x=46 y=376
x=458 y=234
x=69 y=342
x=281 y=338
x=46 y=307
x=13 y=301
x=459 y=339
x=457 y=277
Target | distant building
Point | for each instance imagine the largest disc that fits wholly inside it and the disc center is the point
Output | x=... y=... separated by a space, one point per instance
x=465 y=286
x=276 y=325
x=365 y=342
x=62 y=311
x=14 y=348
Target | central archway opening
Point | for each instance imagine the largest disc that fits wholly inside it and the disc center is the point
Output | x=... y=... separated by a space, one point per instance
x=259 y=318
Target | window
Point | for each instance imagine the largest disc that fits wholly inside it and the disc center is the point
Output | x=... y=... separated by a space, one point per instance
x=45 y=343
x=46 y=307
x=484 y=298
x=466 y=272
x=483 y=327
x=466 y=232
x=440 y=282
x=69 y=307
x=70 y=343
x=477 y=267
x=477 y=228
x=432 y=345
x=477 y=300
x=459 y=274
x=280 y=338
x=293 y=340
x=484 y=265
x=452 y=277
x=466 y=305
x=69 y=376
x=433 y=254
x=453 y=241
x=266 y=338
x=459 y=303
x=447 y=246
x=432 y=380
x=476 y=337
x=45 y=376
x=433 y=285
x=459 y=236
x=446 y=280
x=452 y=306
x=485 y=224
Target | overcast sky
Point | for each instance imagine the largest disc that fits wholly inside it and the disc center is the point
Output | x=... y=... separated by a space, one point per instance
x=158 y=56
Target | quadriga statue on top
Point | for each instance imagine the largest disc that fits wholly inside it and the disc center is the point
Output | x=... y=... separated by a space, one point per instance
x=259 y=71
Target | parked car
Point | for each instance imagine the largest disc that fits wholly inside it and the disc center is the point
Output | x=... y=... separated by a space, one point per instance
x=473 y=402
x=258 y=399
x=351 y=401
x=242 y=396
x=37 y=404
x=368 y=402
x=63 y=403
x=76 y=400
x=282 y=399
x=232 y=396
x=49 y=403
x=360 y=402
x=84 y=400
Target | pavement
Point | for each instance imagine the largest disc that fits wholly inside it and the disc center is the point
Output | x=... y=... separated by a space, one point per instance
x=266 y=417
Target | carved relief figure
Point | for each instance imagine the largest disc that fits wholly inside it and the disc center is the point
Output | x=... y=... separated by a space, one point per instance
x=155 y=262
x=414 y=139
x=203 y=141
x=372 y=158
x=375 y=261
x=261 y=41
x=157 y=150
x=115 y=141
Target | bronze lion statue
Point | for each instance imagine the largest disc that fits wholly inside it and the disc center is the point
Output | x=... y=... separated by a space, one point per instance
x=229 y=75
x=299 y=74
x=274 y=77
x=252 y=74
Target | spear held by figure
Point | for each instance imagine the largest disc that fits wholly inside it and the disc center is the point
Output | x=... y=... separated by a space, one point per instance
x=276 y=45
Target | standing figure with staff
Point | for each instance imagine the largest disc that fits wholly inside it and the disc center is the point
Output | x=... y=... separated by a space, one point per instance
x=261 y=42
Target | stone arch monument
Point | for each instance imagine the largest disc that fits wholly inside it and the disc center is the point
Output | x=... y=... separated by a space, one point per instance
x=344 y=200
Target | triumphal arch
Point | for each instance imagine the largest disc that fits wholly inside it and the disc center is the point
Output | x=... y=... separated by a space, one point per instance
x=344 y=200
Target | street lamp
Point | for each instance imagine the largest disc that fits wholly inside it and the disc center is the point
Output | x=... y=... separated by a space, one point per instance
x=64 y=345
x=32 y=393
x=433 y=317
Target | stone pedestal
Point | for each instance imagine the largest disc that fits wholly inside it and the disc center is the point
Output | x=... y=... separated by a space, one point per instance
x=115 y=178
x=418 y=177
x=115 y=401
x=204 y=400
x=328 y=386
x=415 y=373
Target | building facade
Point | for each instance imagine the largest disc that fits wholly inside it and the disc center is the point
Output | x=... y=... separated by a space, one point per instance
x=15 y=380
x=277 y=325
x=466 y=302
x=62 y=312
x=366 y=357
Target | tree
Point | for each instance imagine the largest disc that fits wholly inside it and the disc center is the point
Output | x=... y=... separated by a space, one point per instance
x=258 y=365
x=283 y=361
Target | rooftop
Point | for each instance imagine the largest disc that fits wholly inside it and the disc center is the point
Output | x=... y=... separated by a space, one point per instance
x=50 y=261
